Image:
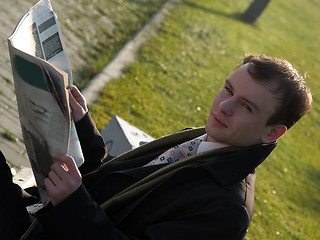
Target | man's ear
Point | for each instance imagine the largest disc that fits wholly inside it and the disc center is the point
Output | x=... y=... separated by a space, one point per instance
x=274 y=133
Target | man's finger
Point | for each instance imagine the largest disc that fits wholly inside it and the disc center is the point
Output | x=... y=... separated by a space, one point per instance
x=73 y=102
x=68 y=161
x=54 y=177
x=75 y=91
x=49 y=185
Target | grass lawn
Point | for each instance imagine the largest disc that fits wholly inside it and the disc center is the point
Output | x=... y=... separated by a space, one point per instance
x=99 y=29
x=172 y=84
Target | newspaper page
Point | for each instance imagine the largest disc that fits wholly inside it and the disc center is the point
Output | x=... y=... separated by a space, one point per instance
x=42 y=76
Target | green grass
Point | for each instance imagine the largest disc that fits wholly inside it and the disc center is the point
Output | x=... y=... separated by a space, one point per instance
x=200 y=43
x=103 y=27
x=9 y=136
x=7 y=80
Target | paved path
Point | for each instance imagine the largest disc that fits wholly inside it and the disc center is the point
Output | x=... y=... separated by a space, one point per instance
x=11 y=143
x=14 y=150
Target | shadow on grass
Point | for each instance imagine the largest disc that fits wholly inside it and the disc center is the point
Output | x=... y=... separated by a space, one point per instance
x=235 y=16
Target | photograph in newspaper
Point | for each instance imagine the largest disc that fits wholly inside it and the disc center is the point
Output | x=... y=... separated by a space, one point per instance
x=42 y=78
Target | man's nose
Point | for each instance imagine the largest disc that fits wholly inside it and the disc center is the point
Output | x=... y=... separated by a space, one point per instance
x=226 y=106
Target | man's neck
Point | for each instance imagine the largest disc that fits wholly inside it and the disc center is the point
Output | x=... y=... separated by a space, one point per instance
x=207 y=145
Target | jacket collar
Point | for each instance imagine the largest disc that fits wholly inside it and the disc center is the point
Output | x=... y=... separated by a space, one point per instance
x=231 y=165
x=228 y=165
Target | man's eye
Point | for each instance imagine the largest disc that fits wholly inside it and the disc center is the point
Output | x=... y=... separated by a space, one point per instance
x=246 y=106
x=229 y=90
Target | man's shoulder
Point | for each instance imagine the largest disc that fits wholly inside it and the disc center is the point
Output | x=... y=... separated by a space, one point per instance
x=233 y=204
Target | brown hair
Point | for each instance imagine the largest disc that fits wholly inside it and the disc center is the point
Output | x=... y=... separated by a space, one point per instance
x=287 y=85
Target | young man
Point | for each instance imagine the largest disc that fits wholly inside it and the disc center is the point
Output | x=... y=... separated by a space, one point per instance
x=201 y=188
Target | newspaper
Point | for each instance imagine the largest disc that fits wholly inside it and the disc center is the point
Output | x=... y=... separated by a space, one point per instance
x=42 y=78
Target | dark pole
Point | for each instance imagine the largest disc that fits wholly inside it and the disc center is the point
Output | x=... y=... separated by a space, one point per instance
x=255 y=10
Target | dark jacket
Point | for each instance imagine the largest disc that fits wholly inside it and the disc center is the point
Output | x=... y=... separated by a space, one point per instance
x=206 y=196
x=14 y=218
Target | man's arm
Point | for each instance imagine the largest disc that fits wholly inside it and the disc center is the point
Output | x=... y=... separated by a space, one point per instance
x=192 y=216
x=92 y=144
x=74 y=215
x=14 y=218
x=78 y=217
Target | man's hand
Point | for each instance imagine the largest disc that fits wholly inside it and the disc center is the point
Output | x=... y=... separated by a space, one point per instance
x=63 y=179
x=77 y=104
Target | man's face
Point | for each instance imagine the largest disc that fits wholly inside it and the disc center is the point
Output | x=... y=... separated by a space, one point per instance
x=240 y=111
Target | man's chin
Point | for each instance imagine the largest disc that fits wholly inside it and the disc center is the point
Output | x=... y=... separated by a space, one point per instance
x=214 y=136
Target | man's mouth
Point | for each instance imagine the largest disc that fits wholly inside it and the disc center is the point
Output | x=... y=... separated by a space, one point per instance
x=218 y=121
